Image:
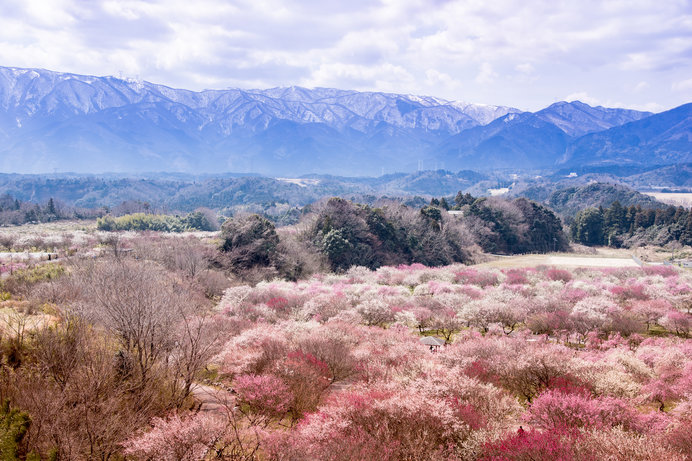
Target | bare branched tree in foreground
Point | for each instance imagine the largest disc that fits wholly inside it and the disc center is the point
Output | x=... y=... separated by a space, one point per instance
x=162 y=330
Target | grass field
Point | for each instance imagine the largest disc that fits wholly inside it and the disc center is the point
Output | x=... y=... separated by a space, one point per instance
x=560 y=260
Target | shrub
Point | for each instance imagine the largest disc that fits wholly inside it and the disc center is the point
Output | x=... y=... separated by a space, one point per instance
x=249 y=241
x=195 y=221
x=531 y=445
x=555 y=409
x=14 y=425
x=559 y=275
x=663 y=271
x=266 y=395
x=474 y=277
x=176 y=438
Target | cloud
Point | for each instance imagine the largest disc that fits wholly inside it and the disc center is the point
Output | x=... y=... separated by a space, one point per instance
x=486 y=74
x=683 y=85
x=641 y=86
x=436 y=79
x=522 y=54
x=525 y=68
x=584 y=97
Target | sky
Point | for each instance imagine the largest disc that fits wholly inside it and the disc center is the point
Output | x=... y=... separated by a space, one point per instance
x=520 y=53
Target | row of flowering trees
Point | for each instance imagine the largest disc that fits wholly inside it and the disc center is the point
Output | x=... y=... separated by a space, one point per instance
x=568 y=304
x=541 y=363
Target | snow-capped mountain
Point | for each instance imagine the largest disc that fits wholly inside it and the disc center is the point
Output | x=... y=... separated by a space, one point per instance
x=61 y=121
x=577 y=119
x=30 y=93
x=51 y=121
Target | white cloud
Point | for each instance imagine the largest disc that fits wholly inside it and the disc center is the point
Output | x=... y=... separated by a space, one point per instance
x=525 y=68
x=517 y=53
x=641 y=86
x=584 y=97
x=683 y=85
x=436 y=79
x=486 y=74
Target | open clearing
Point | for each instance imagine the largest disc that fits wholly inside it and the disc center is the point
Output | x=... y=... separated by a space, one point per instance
x=673 y=198
x=579 y=261
x=561 y=260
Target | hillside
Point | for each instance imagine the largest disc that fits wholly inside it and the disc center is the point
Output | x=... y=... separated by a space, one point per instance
x=661 y=139
x=671 y=176
x=521 y=141
x=568 y=201
x=577 y=119
x=184 y=193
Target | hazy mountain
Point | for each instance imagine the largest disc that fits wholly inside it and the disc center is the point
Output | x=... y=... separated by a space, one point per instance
x=187 y=192
x=514 y=141
x=52 y=121
x=577 y=119
x=71 y=122
x=661 y=139
x=529 y=140
x=671 y=176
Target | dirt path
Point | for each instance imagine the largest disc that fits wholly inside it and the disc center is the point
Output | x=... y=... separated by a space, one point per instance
x=338 y=387
x=211 y=399
x=217 y=400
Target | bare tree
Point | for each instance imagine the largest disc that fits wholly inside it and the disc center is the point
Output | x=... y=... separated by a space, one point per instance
x=198 y=339
x=164 y=331
x=79 y=402
x=139 y=304
x=188 y=255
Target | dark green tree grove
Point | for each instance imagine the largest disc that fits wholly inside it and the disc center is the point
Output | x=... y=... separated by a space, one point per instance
x=617 y=226
x=249 y=241
x=587 y=227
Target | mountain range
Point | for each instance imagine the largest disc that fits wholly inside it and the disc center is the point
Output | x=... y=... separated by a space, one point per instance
x=51 y=121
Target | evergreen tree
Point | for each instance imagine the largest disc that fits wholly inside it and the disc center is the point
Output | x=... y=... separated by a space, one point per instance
x=615 y=218
x=14 y=425
x=50 y=208
x=443 y=204
x=249 y=241
x=588 y=227
x=462 y=199
x=686 y=237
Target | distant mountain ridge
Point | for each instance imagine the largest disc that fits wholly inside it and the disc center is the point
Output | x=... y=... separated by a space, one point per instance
x=36 y=91
x=51 y=121
x=578 y=119
x=662 y=139
x=181 y=192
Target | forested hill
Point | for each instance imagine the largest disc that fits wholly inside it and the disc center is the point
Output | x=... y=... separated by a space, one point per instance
x=568 y=201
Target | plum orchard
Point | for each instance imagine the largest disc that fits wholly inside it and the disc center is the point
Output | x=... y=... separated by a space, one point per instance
x=541 y=363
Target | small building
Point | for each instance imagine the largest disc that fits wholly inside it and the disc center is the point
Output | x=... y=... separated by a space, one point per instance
x=433 y=342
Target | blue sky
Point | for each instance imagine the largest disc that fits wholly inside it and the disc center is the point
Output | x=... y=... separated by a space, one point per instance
x=526 y=54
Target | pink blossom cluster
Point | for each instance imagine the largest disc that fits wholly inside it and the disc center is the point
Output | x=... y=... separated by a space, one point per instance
x=540 y=363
